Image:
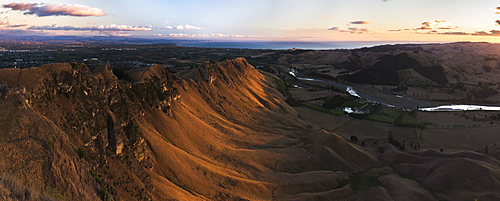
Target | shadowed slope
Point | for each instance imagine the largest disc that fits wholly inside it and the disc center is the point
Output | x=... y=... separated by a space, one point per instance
x=457 y=176
x=226 y=135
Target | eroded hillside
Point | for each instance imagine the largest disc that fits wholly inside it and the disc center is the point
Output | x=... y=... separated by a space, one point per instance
x=72 y=134
x=221 y=132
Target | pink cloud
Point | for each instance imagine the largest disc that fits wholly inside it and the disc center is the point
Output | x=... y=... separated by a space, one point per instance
x=477 y=33
x=21 y=6
x=43 y=10
x=112 y=27
x=437 y=24
x=484 y=33
x=182 y=35
x=182 y=27
x=359 y=22
x=352 y=30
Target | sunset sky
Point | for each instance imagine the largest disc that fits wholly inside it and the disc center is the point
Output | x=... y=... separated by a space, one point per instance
x=259 y=20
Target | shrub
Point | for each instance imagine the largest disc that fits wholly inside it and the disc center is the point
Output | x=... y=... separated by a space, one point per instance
x=82 y=153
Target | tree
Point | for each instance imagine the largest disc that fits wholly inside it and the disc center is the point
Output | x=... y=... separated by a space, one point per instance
x=381 y=150
x=402 y=146
x=354 y=139
x=391 y=139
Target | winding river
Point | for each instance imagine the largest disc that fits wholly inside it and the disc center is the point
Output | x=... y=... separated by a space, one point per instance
x=396 y=100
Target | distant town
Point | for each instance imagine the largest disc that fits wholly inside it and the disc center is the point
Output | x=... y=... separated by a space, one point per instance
x=121 y=55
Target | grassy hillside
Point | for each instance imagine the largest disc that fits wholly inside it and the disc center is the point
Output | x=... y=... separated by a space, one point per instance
x=225 y=135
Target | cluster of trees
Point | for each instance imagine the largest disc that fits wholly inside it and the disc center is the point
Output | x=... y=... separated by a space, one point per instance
x=482 y=91
x=401 y=144
x=335 y=101
x=355 y=140
x=400 y=87
x=397 y=143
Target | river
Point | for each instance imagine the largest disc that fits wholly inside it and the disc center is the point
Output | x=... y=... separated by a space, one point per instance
x=391 y=100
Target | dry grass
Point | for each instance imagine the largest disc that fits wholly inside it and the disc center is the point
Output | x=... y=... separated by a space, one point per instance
x=11 y=188
x=225 y=136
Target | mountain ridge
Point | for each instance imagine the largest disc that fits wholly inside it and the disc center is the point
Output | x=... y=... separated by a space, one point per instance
x=153 y=135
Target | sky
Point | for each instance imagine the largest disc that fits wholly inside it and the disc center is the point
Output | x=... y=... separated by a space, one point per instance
x=258 y=20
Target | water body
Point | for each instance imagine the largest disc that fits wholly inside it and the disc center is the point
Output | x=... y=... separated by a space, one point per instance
x=460 y=108
x=290 y=45
x=397 y=100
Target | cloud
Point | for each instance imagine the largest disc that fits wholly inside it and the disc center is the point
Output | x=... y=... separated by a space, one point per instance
x=483 y=33
x=326 y=16
x=21 y=6
x=425 y=26
x=182 y=35
x=495 y=32
x=359 y=22
x=440 y=27
x=44 y=10
x=437 y=24
x=399 y=30
x=112 y=27
x=360 y=30
x=352 y=30
x=4 y=22
x=455 y=33
x=182 y=27
x=17 y=25
x=20 y=32
x=477 y=33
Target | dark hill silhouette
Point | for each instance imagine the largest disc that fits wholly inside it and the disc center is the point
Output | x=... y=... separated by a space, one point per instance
x=385 y=72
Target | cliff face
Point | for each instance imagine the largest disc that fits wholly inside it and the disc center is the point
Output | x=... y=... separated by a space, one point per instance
x=226 y=134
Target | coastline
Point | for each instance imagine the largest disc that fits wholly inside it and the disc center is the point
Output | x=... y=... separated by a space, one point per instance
x=284 y=45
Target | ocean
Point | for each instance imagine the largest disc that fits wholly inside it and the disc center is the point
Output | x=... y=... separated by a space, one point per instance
x=290 y=45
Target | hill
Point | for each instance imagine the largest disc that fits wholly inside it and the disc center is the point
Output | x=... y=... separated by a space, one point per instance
x=218 y=132
x=451 y=72
x=72 y=134
x=387 y=71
